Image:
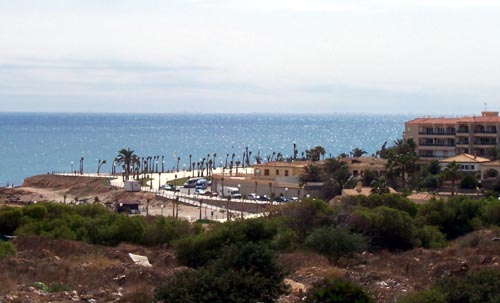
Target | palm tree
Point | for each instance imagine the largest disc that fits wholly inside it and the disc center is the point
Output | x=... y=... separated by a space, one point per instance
x=452 y=172
x=358 y=152
x=99 y=165
x=125 y=157
x=312 y=173
x=314 y=154
x=379 y=186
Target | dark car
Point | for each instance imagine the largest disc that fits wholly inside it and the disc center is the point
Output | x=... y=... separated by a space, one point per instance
x=264 y=198
x=211 y=193
x=281 y=199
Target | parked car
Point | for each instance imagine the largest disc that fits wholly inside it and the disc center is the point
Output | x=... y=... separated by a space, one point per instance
x=192 y=182
x=211 y=193
x=202 y=183
x=264 y=198
x=169 y=187
x=281 y=199
x=252 y=196
x=199 y=191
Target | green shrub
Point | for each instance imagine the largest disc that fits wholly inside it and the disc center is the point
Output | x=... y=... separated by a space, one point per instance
x=286 y=239
x=335 y=243
x=58 y=288
x=241 y=273
x=475 y=287
x=164 y=230
x=431 y=237
x=197 y=250
x=303 y=217
x=10 y=219
x=468 y=181
x=426 y=296
x=7 y=249
x=335 y=290
x=387 y=227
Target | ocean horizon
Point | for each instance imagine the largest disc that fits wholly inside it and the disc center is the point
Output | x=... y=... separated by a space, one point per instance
x=38 y=143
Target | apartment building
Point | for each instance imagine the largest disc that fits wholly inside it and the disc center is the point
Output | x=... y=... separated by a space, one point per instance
x=439 y=138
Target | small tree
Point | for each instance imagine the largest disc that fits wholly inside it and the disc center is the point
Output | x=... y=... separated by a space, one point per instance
x=335 y=243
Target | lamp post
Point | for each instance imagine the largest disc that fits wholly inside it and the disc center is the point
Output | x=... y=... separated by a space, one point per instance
x=71 y=166
x=162 y=206
x=286 y=193
x=239 y=190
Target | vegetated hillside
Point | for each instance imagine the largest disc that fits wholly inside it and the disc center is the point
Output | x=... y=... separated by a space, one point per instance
x=107 y=273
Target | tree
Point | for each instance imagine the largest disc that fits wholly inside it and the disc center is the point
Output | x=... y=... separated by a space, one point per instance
x=335 y=243
x=379 y=186
x=312 y=173
x=401 y=159
x=314 y=154
x=126 y=158
x=452 y=172
x=335 y=176
x=358 y=152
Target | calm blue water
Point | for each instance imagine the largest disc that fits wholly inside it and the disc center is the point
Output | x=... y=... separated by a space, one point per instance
x=36 y=143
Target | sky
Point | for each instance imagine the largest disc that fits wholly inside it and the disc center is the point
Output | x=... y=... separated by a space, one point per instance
x=429 y=57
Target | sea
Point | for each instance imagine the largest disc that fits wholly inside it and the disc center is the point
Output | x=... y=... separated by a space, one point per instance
x=41 y=143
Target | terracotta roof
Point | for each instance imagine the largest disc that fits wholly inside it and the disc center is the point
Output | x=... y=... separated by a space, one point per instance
x=284 y=164
x=365 y=191
x=491 y=163
x=488 y=118
x=465 y=158
x=434 y=121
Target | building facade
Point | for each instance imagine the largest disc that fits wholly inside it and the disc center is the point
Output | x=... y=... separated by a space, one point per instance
x=439 y=138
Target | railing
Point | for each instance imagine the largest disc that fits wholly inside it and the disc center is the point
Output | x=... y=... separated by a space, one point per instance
x=485 y=143
x=438 y=133
x=485 y=131
x=437 y=144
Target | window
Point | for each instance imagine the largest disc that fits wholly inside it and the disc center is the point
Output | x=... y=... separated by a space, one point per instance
x=257 y=171
x=277 y=172
x=266 y=172
x=286 y=173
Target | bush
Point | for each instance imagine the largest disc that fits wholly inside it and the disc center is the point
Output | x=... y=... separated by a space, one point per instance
x=7 y=249
x=10 y=219
x=475 y=287
x=335 y=243
x=335 y=290
x=241 y=273
x=426 y=296
x=303 y=217
x=387 y=227
x=431 y=237
x=468 y=182
x=197 y=250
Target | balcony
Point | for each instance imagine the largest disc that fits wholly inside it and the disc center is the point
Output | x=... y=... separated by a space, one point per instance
x=485 y=143
x=427 y=133
x=438 y=144
x=485 y=131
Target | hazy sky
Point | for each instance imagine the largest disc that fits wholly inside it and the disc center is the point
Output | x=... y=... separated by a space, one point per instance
x=314 y=56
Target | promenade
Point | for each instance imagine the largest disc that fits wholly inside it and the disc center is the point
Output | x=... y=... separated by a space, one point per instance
x=199 y=206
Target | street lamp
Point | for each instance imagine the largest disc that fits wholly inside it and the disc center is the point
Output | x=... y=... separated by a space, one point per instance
x=286 y=193
x=72 y=166
x=162 y=206
x=239 y=190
